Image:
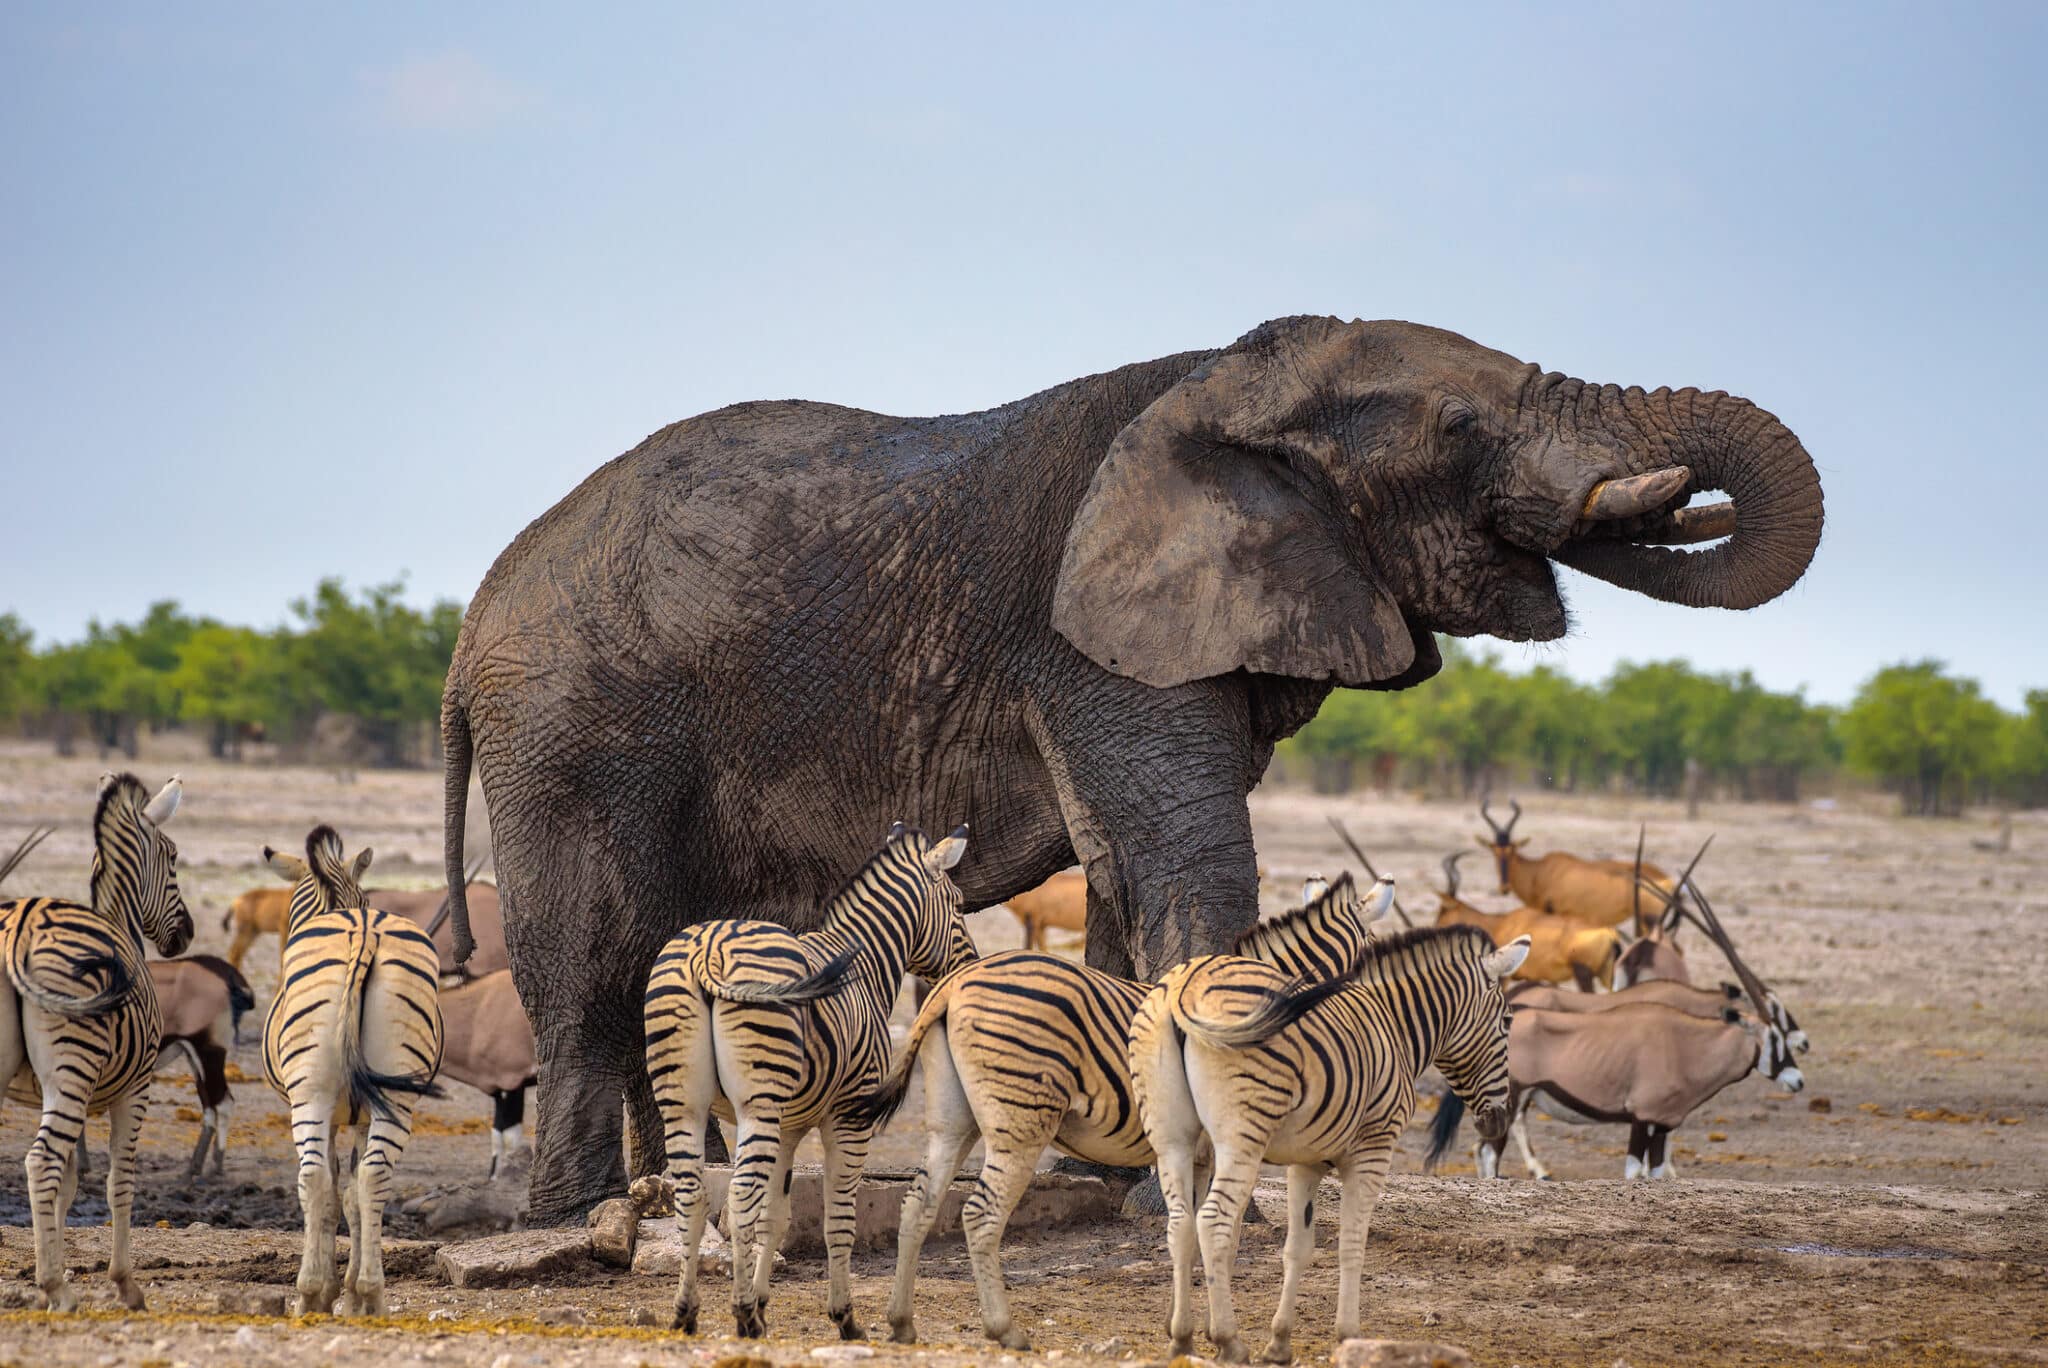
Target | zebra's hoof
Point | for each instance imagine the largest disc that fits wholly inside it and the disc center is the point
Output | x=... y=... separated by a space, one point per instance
x=903 y=1332
x=130 y=1294
x=749 y=1322
x=1013 y=1338
x=1231 y=1350
x=1277 y=1351
x=61 y=1298
x=685 y=1318
x=849 y=1328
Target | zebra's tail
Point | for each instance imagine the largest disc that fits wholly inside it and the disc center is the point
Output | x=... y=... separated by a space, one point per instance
x=1273 y=1015
x=875 y=1108
x=120 y=982
x=367 y=1087
x=1450 y=1110
x=820 y=982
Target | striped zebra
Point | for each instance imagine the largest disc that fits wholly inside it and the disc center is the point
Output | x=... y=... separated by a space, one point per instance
x=1315 y=1077
x=1025 y=1050
x=782 y=1031
x=79 y=1022
x=353 y=1037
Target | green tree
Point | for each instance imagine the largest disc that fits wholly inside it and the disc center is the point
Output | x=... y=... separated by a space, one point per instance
x=375 y=658
x=1923 y=731
x=17 y=665
x=233 y=678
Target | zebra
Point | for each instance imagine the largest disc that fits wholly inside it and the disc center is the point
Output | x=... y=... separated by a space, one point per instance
x=79 y=1021
x=1025 y=1050
x=783 y=1031
x=1314 y=1077
x=353 y=1036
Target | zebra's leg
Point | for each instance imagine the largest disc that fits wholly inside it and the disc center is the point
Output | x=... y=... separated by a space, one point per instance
x=348 y=1174
x=124 y=1125
x=1177 y=1186
x=949 y=1132
x=1006 y=1170
x=1364 y=1173
x=57 y=1057
x=1219 y=1223
x=756 y=1157
x=774 y=1222
x=685 y=1080
x=1300 y=1248
x=382 y=1146
x=846 y=1158
x=312 y=1123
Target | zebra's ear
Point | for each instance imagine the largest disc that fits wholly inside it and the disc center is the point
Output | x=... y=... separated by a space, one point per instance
x=947 y=853
x=1313 y=887
x=362 y=863
x=290 y=868
x=1379 y=902
x=1507 y=959
x=162 y=807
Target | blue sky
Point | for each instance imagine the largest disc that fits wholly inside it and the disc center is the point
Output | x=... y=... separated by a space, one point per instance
x=288 y=292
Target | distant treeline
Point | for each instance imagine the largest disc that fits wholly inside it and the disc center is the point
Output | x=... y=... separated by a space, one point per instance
x=1666 y=728
x=367 y=660
x=361 y=673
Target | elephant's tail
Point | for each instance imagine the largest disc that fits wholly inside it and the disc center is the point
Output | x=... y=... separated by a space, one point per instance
x=455 y=752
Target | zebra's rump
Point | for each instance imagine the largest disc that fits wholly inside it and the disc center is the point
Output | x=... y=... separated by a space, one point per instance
x=718 y=957
x=331 y=960
x=67 y=950
x=1029 y=1029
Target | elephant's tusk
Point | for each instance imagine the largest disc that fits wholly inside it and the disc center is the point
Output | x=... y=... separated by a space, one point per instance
x=1634 y=496
x=1708 y=522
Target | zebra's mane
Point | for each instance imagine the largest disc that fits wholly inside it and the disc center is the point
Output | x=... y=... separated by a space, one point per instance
x=120 y=785
x=1430 y=941
x=1279 y=926
x=849 y=894
x=325 y=858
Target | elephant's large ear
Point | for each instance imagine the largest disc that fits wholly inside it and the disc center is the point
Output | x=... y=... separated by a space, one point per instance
x=1209 y=540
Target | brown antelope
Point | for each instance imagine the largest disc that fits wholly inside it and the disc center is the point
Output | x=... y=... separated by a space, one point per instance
x=1061 y=903
x=264 y=911
x=1641 y=1063
x=1560 y=948
x=488 y=1044
x=1599 y=892
x=196 y=993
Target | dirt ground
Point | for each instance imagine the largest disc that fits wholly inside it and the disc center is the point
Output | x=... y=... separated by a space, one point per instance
x=1891 y=1213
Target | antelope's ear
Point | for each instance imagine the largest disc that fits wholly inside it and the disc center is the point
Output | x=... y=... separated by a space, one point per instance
x=362 y=864
x=290 y=868
x=1507 y=959
x=1482 y=843
x=1519 y=844
x=947 y=853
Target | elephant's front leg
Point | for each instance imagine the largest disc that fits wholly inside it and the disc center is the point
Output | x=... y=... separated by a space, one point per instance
x=578 y=1139
x=1152 y=787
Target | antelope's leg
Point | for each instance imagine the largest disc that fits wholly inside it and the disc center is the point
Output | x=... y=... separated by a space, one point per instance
x=846 y=1158
x=124 y=1125
x=1529 y=1160
x=949 y=1132
x=1011 y=1155
x=1659 y=1163
x=1364 y=1173
x=1637 y=1165
x=1301 y=1246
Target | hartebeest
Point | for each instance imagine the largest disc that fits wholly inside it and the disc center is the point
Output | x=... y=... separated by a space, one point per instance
x=1643 y=1064
x=1599 y=892
x=1560 y=948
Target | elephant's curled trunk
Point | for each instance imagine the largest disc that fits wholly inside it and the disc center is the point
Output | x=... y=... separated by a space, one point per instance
x=1731 y=445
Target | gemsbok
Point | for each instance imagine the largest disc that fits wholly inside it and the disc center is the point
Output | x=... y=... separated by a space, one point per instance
x=198 y=994
x=1237 y=1055
x=1560 y=948
x=352 y=1040
x=1597 y=892
x=79 y=1020
x=1641 y=1064
x=784 y=1033
x=1024 y=1050
x=488 y=1045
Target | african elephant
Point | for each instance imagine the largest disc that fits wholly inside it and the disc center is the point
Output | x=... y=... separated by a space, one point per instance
x=706 y=681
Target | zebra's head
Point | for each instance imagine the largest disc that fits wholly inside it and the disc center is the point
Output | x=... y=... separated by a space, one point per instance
x=1472 y=1049
x=134 y=865
x=326 y=879
x=939 y=942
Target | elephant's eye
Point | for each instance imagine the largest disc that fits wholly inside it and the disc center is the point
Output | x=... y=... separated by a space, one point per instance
x=1457 y=422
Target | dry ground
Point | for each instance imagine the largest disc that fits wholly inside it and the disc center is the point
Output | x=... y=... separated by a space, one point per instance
x=1904 y=1223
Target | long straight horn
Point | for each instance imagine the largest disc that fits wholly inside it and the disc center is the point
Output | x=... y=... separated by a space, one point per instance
x=1635 y=889
x=1685 y=882
x=441 y=913
x=21 y=852
x=1751 y=984
x=1366 y=864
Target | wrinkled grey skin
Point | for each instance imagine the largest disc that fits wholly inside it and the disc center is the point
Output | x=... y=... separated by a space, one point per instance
x=705 y=683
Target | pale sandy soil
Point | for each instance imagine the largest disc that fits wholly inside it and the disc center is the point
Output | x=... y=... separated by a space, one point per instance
x=1904 y=1224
